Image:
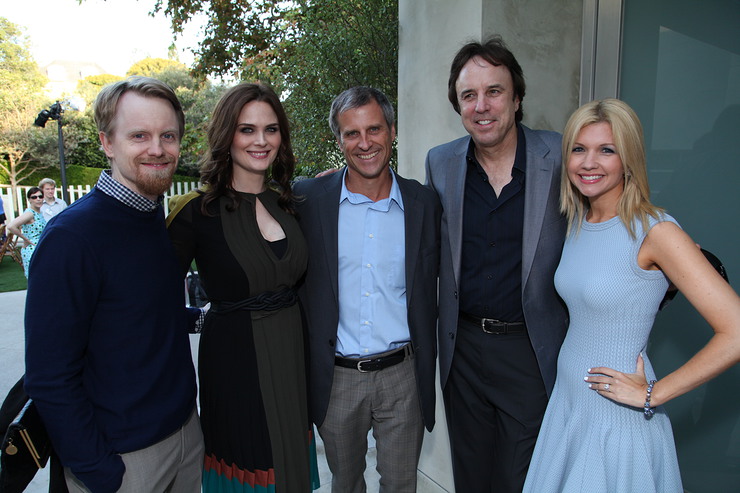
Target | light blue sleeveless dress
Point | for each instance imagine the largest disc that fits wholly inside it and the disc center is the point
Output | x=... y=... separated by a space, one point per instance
x=32 y=232
x=587 y=442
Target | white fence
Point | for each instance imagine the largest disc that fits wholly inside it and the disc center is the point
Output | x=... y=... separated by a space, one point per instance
x=13 y=204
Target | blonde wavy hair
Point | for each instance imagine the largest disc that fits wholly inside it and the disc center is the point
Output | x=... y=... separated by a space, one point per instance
x=634 y=202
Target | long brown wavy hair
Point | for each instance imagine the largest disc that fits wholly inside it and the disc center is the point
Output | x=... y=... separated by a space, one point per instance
x=216 y=168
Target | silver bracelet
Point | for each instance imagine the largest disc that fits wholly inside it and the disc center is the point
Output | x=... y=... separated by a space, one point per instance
x=649 y=411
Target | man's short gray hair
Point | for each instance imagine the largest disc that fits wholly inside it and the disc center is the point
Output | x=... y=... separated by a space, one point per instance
x=354 y=98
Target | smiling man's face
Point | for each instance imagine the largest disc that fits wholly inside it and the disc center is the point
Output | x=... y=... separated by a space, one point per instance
x=487 y=101
x=144 y=144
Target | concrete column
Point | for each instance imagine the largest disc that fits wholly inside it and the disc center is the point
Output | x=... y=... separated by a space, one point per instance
x=545 y=36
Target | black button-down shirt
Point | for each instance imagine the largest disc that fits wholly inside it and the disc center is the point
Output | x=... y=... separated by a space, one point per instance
x=491 y=269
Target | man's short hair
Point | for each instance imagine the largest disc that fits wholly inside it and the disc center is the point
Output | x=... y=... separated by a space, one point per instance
x=355 y=97
x=107 y=100
x=47 y=181
x=495 y=52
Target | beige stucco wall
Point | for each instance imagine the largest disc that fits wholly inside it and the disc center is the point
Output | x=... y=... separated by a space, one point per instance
x=545 y=36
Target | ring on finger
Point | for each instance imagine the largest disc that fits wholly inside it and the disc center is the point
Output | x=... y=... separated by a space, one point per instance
x=606 y=387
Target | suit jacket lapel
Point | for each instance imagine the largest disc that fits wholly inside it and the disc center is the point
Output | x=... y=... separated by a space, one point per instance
x=537 y=192
x=330 y=228
x=453 y=205
x=413 y=214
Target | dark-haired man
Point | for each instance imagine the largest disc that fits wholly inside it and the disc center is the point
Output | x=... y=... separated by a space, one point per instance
x=108 y=359
x=501 y=322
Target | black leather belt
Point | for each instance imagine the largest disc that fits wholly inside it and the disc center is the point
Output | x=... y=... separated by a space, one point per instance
x=374 y=364
x=493 y=326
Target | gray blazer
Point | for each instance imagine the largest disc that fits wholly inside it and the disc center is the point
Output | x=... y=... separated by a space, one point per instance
x=544 y=233
x=318 y=215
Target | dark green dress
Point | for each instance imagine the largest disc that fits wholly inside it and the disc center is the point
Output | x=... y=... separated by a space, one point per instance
x=251 y=364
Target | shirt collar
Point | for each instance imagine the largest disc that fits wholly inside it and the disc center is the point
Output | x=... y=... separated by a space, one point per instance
x=520 y=159
x=358 y=198
x=109 y=186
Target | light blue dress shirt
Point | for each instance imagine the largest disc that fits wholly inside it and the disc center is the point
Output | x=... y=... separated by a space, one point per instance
x=372 y=279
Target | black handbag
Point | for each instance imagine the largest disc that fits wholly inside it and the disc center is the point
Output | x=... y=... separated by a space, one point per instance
x=26 y=446
x=26 y=438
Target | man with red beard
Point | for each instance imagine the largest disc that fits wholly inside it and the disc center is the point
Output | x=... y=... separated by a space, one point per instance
x=108 y=360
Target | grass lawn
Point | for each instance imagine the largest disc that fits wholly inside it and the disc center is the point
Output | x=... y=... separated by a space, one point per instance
x=11 y=276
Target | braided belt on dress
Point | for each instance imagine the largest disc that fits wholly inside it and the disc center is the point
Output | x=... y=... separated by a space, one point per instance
x=268 y=301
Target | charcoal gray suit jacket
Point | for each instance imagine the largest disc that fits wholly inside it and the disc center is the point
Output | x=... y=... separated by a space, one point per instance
x=544 y=234
x=318 y=215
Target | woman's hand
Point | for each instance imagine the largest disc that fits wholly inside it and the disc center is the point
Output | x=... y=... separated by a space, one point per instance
x=625 y=388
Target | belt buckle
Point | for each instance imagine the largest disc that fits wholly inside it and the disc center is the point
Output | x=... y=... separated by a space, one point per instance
x=493 y=321
x=359 y=365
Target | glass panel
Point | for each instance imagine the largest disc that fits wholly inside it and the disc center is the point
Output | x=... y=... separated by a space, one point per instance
x=681 y=74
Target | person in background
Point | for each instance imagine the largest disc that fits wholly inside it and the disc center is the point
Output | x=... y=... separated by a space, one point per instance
x=52 y=205
x=605 y=428
x=29 y=226
x=242 y=233
x=108 y=359
x=2 y=220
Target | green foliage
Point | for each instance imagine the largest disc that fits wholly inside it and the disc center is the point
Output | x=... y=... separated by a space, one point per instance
x=21 y=82
x=309 y=51
x=89 y=87
x=81 y=142
x=239 y=37
x=198 y=106
x=343 y=43
x=150 y=66
x=21 y=86
x=78 y=175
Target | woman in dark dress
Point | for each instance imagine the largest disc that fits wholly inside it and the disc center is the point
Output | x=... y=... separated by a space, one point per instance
x=250 y=254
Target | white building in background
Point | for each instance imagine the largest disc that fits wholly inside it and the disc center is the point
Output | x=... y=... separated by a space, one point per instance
x=64 y=75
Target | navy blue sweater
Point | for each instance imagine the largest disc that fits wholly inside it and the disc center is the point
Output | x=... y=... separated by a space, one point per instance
x=108 y=359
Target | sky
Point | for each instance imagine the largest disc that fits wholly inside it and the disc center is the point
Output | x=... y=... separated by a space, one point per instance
x=114 y=33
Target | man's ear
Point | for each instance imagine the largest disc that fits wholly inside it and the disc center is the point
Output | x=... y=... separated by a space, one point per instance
x=106 y=143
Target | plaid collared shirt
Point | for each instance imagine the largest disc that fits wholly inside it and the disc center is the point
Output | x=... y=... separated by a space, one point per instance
x=122 y=193
x=109 y=186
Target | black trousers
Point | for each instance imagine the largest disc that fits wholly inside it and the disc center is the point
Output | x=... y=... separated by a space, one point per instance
x=495 y=400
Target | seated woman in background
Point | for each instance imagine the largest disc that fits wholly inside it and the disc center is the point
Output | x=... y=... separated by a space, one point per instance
x=29 y=225
x=250 y=254
x=605 y=429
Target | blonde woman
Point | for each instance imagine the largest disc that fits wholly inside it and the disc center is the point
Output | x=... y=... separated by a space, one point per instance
x=605 y=429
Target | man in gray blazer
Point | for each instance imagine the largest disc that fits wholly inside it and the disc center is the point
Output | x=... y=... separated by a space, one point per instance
x=370 y=298
x=501 y=322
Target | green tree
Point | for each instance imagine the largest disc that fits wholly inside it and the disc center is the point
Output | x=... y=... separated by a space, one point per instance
x=150 y=66
x=198 y=97
x=89 y=87
x=81 y=140
x=21 y=86
x=342 y=43
x=309 y=51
